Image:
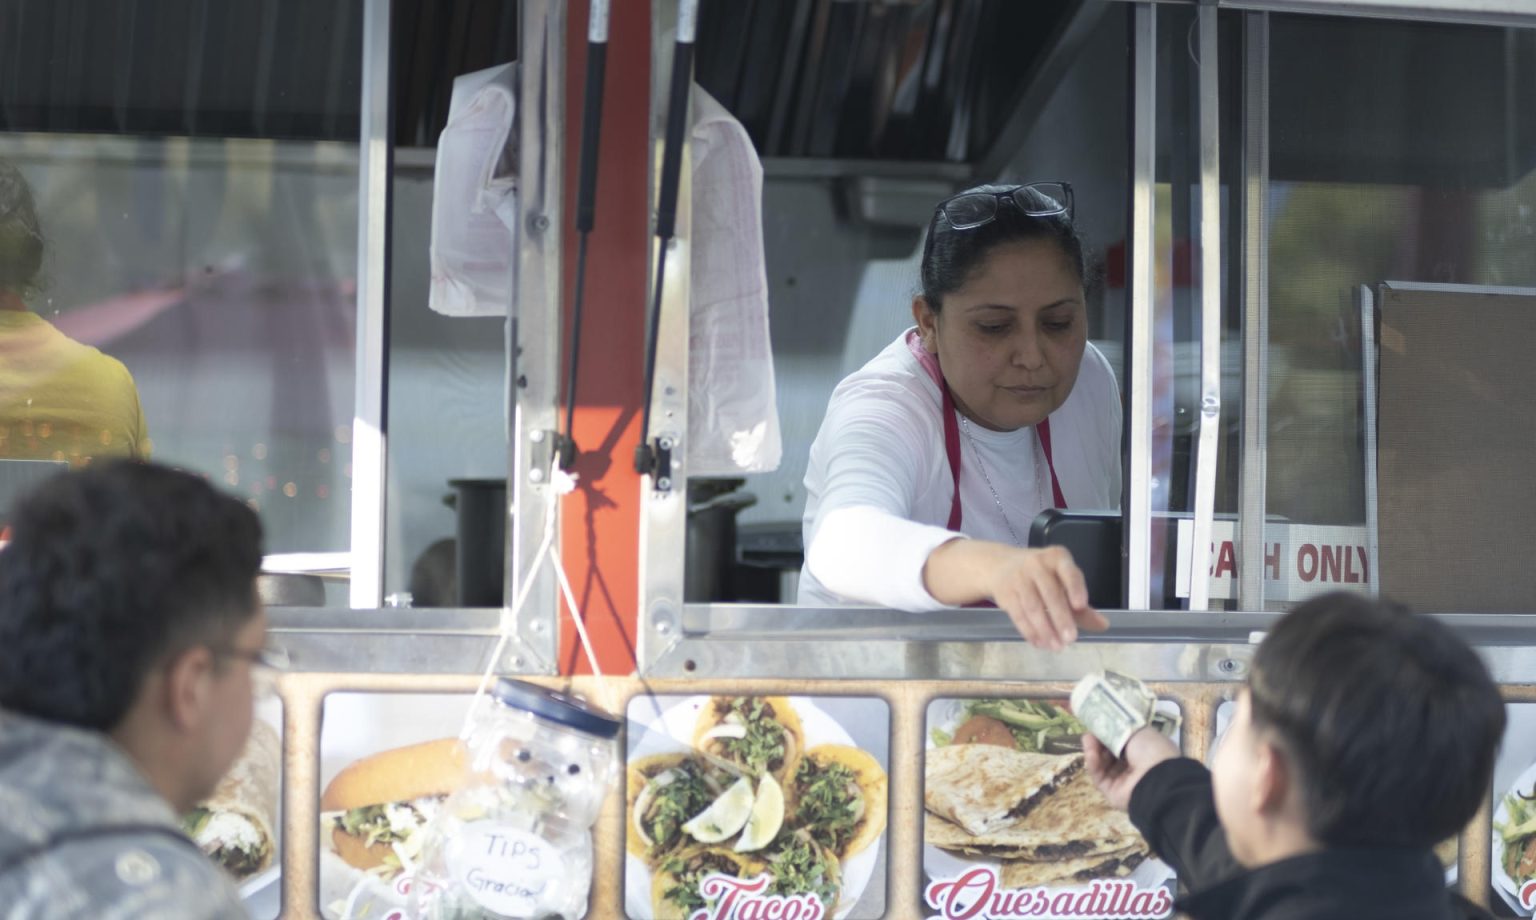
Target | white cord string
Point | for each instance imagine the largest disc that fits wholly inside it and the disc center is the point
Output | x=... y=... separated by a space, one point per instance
x=563 y=484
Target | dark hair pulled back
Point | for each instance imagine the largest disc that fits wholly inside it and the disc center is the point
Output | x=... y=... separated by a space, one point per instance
x=951 y=256
x=21 y=239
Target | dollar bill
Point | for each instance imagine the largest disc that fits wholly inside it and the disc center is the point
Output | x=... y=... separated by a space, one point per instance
x=1113 y=707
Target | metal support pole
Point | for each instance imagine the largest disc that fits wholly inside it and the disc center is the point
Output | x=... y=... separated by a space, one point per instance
x=375 y=165
x=533 y=335
x=1210 y=310
x=1141 y=346
x=1251 y=542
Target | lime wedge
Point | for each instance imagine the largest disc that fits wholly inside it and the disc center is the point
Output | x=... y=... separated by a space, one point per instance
x=767 y=817
x=724 y=816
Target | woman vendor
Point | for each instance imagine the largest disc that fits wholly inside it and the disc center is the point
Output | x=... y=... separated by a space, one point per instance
x=935 y=457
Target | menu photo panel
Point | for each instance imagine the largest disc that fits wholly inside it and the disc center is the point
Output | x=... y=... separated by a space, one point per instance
x=1013 y=827
x=756 y=806
x=239 y=824
x=388 y=761
x=1514 y=816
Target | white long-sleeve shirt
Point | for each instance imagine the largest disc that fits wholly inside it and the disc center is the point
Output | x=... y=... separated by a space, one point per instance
x=879 y=486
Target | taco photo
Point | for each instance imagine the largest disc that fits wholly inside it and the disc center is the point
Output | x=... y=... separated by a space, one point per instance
x=751 y=734
x=675 y=884
x=840 y=797
x=748 y=785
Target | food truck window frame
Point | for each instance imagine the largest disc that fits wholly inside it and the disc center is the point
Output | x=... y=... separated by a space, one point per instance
x=675 y=637
x=320 y=637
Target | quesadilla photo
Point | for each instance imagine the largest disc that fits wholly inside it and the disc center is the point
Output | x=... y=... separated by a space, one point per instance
x=1018 y=873
x=1075 y=821
x=234 y=825
x=752 y=734
x=1006 y=790
x=839 y=797
x=986 y=787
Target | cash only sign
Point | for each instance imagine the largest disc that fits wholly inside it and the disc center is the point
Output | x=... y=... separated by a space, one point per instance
x=1045 y=843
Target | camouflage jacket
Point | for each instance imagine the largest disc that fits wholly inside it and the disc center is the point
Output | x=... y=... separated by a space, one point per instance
x=83 y=835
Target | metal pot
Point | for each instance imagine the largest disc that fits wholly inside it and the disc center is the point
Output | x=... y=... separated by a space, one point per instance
x=711 y=555
x=480 y=564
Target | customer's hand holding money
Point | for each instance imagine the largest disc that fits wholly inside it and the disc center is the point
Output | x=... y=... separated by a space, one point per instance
x=1116 y=777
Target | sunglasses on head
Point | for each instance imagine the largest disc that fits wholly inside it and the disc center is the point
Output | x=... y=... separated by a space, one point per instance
x=970 y=210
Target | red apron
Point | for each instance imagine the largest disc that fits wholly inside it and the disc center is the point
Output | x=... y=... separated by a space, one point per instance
x=952 y=432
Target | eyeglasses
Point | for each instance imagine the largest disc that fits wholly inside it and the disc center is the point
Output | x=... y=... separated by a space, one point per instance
x=970 y=210
x=271 y=657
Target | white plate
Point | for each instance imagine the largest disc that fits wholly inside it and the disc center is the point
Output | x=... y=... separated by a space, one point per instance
x=666 y=724
x=1502 y=883
x=260 y=880
x=939 y=863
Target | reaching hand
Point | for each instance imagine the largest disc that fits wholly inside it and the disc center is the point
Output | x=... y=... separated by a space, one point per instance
x=1043 y=592
x=1117 y=777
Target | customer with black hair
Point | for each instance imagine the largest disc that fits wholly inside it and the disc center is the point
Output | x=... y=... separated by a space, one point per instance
x=936 y=456
x=130 y=628
x=59 y=399
x=1365 y=736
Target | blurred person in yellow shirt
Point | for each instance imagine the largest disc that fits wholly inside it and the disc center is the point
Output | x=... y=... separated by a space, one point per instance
x=59 y=399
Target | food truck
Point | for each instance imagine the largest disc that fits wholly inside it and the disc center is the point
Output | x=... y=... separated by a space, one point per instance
x=516 y=322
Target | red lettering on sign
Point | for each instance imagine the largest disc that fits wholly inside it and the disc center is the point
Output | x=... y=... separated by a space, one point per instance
x=1351 y=577
x=1272 y=560
x=1306 y=562
x=950 y=897
x=1226 y=560
x=742 y=899
x=1333 y=569
x=977 y=895
x=1365 y=565
x=1528 y=894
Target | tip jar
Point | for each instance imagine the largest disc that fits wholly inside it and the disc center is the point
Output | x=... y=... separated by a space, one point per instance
x=515 y=841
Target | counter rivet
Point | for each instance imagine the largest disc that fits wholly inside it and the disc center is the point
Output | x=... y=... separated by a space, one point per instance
x=536 y=475
x=536 y=436
x=517 y=661
x=537 y=627
x=663 y=484
x=666 y=443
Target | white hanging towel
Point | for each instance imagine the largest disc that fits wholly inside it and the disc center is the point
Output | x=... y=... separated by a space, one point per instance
x=733 y=416
x=474 y=198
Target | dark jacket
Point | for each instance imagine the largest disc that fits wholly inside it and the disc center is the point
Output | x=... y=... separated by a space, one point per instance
x=84 y=835
x=1174 y=809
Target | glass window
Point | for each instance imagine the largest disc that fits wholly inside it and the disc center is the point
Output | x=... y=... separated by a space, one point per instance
x=187 y=179
x=1402 y=154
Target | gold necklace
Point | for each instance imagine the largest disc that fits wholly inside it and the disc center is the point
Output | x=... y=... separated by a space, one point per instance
x=965 y=426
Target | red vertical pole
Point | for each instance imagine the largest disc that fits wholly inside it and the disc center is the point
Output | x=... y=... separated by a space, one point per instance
x=600 y=537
